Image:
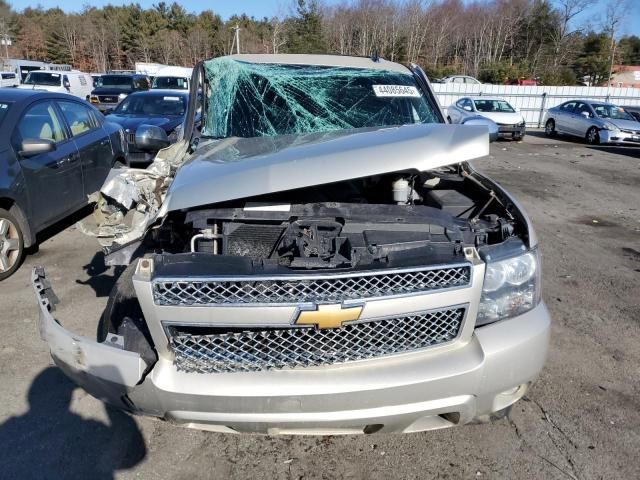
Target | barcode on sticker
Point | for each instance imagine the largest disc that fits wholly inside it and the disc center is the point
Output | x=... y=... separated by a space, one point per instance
x=395 y=91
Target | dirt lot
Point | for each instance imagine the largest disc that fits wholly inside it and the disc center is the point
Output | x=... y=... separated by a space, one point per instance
x=580 y=421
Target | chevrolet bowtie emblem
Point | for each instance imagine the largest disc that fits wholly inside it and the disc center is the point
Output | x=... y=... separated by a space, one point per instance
x=329 y=316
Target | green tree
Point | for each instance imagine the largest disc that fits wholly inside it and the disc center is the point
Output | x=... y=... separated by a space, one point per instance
x=629 y=48
x=307 y=29
x=593 y=62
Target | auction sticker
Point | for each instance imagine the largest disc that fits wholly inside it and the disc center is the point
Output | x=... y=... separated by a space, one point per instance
x=395 y=91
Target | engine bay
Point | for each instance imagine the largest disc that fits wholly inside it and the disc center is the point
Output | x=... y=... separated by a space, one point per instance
x=393 y=219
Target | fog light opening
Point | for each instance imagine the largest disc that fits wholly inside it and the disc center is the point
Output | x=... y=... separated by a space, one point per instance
x=452 y=417
x=373 y=428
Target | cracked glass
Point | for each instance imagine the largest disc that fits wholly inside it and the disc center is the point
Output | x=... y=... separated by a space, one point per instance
x=255 y=99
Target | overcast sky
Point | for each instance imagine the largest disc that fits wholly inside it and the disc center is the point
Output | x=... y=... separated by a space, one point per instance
x=269 y=8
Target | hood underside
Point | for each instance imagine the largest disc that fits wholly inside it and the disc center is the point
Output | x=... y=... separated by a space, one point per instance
x=236 y=168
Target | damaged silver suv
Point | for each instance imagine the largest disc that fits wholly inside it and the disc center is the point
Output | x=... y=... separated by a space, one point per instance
x=316 y=256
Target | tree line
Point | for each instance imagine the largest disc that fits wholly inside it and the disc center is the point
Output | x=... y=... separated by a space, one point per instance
x=494 y=40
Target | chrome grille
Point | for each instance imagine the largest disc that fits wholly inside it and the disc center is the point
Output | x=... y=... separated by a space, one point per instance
x=275 y=349
x=131 y=138
x=310 y=288
x=108 y=99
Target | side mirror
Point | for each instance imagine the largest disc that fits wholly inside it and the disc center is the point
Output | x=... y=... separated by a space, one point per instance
x=31 y=147
x=151 y=137
x=66 y=84
x=468 y=108
x=487 y=122
x=585 y=114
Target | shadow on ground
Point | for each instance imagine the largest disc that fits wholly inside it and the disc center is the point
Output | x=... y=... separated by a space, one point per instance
x=50 y=441
x=101 y=278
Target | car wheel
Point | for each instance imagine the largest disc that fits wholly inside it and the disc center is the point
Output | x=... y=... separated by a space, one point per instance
x=593 y=137
x=11 y=244
x=550 y=128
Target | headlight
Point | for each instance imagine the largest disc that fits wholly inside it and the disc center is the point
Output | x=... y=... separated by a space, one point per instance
x=511 y=287
x=94 y=99
x=609 y=126
x=122 y=96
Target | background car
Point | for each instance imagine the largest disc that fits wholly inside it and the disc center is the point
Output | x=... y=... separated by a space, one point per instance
x=74 y=82
x=111 y=89
x=510 y=121
x=460 y=79
x=55 y=150
x=634 y=110
x=596 y=122
x=162 y=108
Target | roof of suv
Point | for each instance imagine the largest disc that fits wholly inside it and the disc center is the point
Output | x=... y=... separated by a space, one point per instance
x=323 y=60
x=19 y=94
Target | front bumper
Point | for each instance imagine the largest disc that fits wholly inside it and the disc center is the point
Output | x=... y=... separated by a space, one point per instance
x=417 y=391
x=619 y=136
x=511 y=130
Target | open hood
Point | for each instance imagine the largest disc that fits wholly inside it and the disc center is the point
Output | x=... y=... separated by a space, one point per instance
x=236 y=168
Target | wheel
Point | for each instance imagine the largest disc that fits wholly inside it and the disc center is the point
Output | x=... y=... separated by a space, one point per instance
x=11 y=244
x=550 y=128
x=593 y=137
x=517 y=138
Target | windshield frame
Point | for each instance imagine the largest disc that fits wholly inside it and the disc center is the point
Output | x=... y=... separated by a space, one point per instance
x=49 y=74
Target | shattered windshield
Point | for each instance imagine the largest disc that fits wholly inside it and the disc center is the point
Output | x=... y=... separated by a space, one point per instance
x=254 y=100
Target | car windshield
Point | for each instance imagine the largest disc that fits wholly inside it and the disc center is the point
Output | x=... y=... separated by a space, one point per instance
x=174 y=83
x=4 y=108
x=611 y=111
x=44 y=78
x=493 y=106
x=253 y=100
x=152 y=105
x=117 y=82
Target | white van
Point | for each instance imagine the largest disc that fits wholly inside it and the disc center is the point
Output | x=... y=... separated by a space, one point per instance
x=9 y=79
x=74 y=82
x=172 y=78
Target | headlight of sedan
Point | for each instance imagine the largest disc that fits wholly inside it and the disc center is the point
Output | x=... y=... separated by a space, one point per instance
x=511 y=287
x=122 y=96
x=609 y=126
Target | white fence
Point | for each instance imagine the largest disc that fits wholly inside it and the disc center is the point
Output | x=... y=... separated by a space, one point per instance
x=532 y=101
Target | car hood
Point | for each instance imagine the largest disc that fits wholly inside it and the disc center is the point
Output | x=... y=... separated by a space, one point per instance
x=235 y=168
x=131 y=122
x=624 y=124
x=508 y=118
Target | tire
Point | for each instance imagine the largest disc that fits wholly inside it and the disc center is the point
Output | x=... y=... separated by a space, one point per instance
x=518 y=138
x=593 y=137
x=550 y=128
x=11 y=244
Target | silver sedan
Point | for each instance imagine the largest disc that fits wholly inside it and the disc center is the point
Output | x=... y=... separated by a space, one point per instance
x=596 y=122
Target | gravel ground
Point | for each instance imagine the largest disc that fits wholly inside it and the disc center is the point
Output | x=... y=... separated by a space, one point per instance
x=581 y=420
